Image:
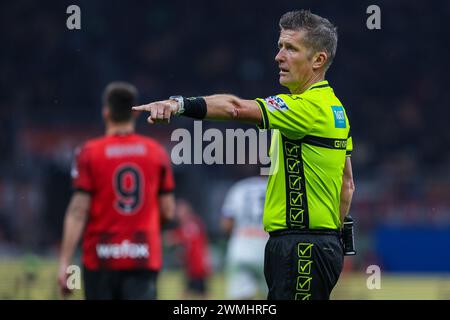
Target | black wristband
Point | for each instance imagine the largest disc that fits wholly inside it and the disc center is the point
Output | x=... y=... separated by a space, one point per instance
x=194 y=107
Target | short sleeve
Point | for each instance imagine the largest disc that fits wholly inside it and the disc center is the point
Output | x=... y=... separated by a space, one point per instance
x=231 y=203
x=349 y=148
x=81 y=171
x=167 y=181
x=291 y=114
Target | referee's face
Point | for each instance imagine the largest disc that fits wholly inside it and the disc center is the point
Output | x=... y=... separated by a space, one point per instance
x=294 y=60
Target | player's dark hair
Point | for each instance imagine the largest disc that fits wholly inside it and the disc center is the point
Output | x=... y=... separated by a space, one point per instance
x=119 y=97
x=321 y=34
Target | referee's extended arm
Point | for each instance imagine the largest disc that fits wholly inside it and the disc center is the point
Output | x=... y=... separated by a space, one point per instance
x=218 y=107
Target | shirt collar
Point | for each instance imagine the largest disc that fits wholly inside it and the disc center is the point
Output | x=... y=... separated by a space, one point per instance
x=320 y=84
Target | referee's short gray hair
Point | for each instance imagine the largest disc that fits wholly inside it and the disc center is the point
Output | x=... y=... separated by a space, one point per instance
x=321 y=34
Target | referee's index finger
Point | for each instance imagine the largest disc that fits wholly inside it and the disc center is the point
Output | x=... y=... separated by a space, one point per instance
x=144 y=107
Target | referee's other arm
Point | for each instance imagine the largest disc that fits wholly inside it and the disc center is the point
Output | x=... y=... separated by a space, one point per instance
x=347 y=189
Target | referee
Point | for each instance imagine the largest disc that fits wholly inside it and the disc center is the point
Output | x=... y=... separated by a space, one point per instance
x=311 y=186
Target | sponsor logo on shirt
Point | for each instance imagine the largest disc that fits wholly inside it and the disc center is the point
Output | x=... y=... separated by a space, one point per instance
x=339 y=117
x=125 y=249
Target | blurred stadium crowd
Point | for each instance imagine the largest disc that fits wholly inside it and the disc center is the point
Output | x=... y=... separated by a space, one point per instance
x=390 y=80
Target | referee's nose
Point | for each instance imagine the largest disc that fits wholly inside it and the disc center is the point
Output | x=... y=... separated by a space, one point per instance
x=280 y=56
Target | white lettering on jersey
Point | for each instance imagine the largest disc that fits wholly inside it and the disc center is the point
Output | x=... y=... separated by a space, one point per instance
x=126 y=249
x=123 y=150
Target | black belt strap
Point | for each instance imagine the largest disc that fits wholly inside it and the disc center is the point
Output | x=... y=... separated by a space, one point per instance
x=284 y=232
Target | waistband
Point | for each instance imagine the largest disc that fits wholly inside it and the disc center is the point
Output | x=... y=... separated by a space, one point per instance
x=330 y=232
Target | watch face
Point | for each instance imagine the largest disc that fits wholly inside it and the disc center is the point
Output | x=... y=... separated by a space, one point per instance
x=180 y=103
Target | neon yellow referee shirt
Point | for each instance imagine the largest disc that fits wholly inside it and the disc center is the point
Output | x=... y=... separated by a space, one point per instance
x=309 y=145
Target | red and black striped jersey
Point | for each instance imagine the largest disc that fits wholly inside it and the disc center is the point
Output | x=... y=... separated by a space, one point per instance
x=124 y=174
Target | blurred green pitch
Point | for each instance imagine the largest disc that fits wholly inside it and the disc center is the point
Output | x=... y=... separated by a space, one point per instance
x=35 y=278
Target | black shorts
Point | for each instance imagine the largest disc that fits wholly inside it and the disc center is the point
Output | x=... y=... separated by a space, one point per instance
x=303 y=264
x=120 y=284
x=196 y=285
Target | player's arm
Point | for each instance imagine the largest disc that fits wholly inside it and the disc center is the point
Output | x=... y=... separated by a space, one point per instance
x=215 y=107
x=347 y=189
x=167 y=207
x=232 y=202
x=74 y=223
x=226 y=225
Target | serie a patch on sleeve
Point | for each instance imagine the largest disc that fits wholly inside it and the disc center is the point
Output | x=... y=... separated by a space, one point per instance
x=275 y=103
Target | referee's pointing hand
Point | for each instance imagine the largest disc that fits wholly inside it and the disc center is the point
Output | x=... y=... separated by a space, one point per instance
x=160 y=111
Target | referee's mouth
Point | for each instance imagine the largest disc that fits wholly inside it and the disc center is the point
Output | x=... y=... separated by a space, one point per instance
x=283 y=71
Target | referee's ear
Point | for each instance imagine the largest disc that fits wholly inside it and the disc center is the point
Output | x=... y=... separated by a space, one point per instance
x=320 y=59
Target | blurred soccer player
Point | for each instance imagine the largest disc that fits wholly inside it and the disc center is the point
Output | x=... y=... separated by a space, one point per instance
x=191 y=235
x=123 y=189
x=242 y=214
